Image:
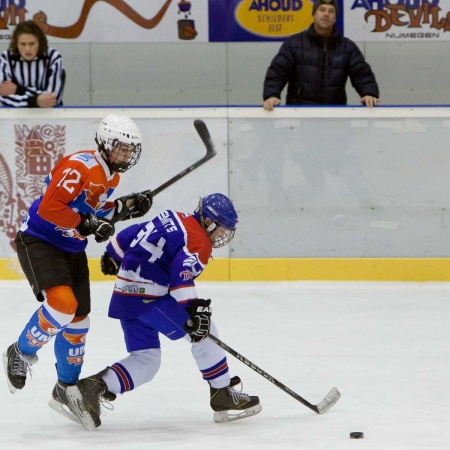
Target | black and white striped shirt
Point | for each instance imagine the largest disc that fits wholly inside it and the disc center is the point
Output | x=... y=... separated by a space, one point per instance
x=43 y=74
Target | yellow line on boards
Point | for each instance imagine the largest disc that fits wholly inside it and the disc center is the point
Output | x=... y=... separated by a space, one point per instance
x=291 y=269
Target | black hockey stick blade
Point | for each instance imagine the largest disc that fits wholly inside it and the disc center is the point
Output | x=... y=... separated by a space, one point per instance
x=203 y=132
x=329 y=401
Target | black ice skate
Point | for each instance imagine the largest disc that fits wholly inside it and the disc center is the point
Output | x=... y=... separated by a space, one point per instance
x=16 y=366
x=230 y=404
x=60 y=403
x=86 y=397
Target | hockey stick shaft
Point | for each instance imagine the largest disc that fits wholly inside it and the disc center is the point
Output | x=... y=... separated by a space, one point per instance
x=203 y=132
x=329 y=401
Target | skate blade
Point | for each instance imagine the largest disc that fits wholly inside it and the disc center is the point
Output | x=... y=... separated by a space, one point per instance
x=63 y=410
x=73 y=394
x=12 y=389
x=226 y=416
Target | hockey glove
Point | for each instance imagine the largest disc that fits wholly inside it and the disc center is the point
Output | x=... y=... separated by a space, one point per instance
x=199 y=323
x=101 y=228
x=139 y=204
x=109 y=265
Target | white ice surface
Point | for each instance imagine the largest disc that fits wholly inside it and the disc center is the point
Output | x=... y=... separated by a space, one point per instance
x=385 y=346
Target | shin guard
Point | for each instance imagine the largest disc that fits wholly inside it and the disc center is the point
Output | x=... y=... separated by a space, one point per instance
x=69 y=350
x=138 y=368
x=45 y=323
x=211 y=361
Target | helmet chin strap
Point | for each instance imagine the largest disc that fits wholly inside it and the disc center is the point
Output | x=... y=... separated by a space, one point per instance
x=200 y=209
x=104 y=155
x=210 y=228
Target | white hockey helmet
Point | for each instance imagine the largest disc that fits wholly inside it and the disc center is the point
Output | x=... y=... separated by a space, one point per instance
x=121 y=133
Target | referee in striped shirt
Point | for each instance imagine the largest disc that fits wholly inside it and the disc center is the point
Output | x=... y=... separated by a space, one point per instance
x=31 y=73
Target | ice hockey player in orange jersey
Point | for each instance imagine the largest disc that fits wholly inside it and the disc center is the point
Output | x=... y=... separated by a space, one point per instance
x=51 y=249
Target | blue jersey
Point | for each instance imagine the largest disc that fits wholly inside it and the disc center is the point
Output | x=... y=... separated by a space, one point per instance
x=158 y=258
x=80 y=182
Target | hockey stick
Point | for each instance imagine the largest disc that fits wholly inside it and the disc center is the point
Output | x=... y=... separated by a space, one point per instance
x=203 y=132
x=322 y=407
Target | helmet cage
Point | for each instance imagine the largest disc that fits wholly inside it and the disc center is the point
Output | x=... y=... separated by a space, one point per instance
x=117 y=154
x=219 y=232
x=224 y=235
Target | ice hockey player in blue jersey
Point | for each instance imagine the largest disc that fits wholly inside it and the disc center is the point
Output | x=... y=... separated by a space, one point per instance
x=156 y=264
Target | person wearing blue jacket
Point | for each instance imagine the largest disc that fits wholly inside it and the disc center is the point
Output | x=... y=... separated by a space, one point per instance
x=316 y=63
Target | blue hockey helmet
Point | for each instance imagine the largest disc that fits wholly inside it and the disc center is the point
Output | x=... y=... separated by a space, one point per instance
x=219 y=209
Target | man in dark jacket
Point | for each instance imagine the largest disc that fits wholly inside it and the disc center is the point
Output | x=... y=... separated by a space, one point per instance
x=316 y=64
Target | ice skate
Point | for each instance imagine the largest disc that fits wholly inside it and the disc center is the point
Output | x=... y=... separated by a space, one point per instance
x=60 y=403
x=230 y=404
x=16 y=366
x=86 y=397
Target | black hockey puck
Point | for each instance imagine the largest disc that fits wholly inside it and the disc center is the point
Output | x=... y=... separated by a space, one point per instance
x=356 y=435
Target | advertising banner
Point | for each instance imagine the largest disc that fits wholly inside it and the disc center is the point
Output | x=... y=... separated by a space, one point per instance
x=109 y=20
x=222 y=20
x=397 y=20
x=160 y=20
x=260 y=20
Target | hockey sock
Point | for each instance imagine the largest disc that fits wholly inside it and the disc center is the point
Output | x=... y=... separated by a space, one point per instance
x=69 y=350
x=211 y=361
x=138 y=368
x=45 y=323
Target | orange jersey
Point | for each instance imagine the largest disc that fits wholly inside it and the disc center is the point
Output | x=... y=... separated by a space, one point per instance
x=80 y=182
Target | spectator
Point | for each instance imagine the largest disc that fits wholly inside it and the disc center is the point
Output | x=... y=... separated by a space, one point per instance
x=31 y=73
x=316 y=64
